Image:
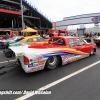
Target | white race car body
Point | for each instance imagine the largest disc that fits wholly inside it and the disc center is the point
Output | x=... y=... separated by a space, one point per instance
x=33 y=59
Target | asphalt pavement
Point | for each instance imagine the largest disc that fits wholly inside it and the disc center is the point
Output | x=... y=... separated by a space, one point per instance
x=83 y=86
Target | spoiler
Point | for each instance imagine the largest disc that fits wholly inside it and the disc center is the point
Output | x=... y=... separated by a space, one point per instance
x=19 y=50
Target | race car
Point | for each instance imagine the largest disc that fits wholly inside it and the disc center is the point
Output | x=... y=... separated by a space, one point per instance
x=60 y=50
x=28 y=40
x=4 y=43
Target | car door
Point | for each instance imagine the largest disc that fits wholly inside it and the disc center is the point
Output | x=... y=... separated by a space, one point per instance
x=81 y=45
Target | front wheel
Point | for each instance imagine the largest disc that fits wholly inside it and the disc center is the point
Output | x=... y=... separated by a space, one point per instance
x=92 y=52
x=52 y=62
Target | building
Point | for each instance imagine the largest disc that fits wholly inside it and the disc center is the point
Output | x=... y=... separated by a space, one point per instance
x=20 y=13
x=80 y=23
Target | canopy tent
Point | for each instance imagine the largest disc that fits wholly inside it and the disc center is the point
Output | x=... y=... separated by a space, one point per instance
x=28 y=29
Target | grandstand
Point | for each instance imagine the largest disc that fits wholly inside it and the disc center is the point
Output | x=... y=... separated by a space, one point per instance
x=17 y=14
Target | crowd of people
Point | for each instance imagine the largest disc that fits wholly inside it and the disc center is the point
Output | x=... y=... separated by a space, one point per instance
x=86 y=34
x=47 y=34
x=91 y=34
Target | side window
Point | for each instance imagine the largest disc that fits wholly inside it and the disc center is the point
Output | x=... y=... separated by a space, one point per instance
x=61 y=41
x=71 y=42
x=79 y=42
x=54 y=40
x=30 y=40
x=57 y=41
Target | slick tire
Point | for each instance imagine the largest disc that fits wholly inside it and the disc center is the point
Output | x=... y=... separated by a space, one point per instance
x=52 y=62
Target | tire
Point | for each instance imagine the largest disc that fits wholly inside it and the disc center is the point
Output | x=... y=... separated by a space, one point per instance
x=52 y=62
x=92 y=52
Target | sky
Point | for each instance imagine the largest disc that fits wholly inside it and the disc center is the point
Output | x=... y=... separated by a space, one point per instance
x=56 y=10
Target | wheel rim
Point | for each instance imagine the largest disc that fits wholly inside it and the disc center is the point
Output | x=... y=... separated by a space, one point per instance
x=52 y=60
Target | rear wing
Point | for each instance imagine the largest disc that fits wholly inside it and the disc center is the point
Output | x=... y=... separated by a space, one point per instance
x=19 y=50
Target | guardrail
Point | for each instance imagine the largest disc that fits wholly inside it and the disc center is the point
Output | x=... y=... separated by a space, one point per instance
x=37 y=10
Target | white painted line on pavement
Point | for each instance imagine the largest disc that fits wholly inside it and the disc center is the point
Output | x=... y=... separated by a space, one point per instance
x=58 y=81
x=7 y=61
x=1 y=51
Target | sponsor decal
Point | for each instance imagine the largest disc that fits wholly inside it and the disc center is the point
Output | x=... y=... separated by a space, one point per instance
x=30 y=65
x=33 y=70
x=35 y=64
x=40 y=68
x=71 y=58
x=41 y=63
x=37 y=68
x=39 y=58
x=64 y=57
x=96 y=19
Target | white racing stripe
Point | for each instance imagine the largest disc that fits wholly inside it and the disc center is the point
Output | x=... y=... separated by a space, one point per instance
x=7 y=61
x=58 y=81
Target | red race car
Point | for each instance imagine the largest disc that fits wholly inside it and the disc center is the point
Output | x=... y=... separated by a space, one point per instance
x=69 y=42
x=60 y=50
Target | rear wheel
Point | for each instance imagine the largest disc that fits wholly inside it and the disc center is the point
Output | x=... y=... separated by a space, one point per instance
x=52 y=62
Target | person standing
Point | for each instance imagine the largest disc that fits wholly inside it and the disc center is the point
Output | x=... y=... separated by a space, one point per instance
x=59 y=33
x=7 y=36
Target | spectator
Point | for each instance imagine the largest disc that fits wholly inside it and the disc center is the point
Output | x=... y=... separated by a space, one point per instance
x=7 y=36
x=59 y=33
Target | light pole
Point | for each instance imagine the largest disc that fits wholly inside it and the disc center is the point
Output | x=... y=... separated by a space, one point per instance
x=21 y=4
